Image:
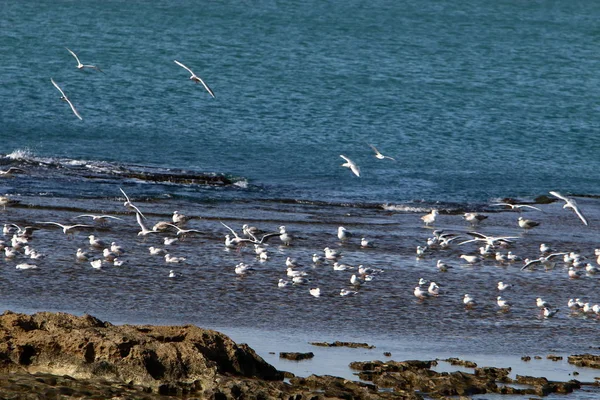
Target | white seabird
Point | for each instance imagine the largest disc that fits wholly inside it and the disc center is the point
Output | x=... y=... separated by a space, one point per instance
x=65 y=98
x=343 y=234
x=80 y=65
x=503 y=303
x=572 y=204
x=350 y=164
x=527 y=223
x=196 y=78
x=379 y=155
x=429 y=219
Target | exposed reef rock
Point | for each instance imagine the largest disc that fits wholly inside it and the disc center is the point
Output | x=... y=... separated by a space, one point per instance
x=57 y=355
x=343 y=344
x=585 y=360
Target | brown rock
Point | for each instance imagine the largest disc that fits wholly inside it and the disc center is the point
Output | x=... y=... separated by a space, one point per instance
x=343 y=344
x=184 y=357
x=585 y=360
x=296 y=356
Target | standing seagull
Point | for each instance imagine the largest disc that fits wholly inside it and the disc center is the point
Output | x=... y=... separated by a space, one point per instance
x=570 y=203
x=196 y=78
x=350 y=164
x=379 y=155
x=79 y=64
x=65 y=98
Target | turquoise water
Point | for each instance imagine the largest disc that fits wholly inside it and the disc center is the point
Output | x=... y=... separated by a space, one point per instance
x=474 y=99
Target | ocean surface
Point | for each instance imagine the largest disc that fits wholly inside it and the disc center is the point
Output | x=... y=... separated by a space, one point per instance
x=475 y=101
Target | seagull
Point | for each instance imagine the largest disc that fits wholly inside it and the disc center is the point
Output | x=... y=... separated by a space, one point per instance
x=172 y=259
x=430 y=218
x=196 y=78
x=545 y=261
x=109 y=255
x=469 y=301
x=67 y=229
x=503 y=286
x=7 y=201
x=379 y=155
x=155 y=251
x=548 y=313
x=527 y=223
x=503 y=303
x=179 y=218
x=101 y=219
x=172 y=274
x=317 y=259
x=434 y=289
x=573 y=274
x=26 y=266
x=97 y=264
x=10 y=171
x=517 y=206
x=283 y=283
x=354 y=281
x=332 y=254
x=421 y=293
x=350 y=164
x=80 y=65
x=82 y=255
x=470 y=259
x=184 y=232
x=490 y=240
x=291 y=263
x=442 y=266
x=364 y=243
x=346 y=292
x=130 y=205
x=570 y=203
x=65 y=98
x=116 y=249
x=474 y=218
x=541 y=303
x=145 y=231
x=545 y=249
x=95 y=242
x=343 y=234
x=315 y=292
x=284 y=236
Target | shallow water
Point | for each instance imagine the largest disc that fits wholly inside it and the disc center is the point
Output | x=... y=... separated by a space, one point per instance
x=477 y=101
x=252 y=309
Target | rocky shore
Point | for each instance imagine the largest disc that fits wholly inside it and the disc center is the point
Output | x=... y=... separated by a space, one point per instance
x=58 y=355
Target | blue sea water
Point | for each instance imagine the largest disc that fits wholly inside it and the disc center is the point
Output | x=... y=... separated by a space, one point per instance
x=475 y=100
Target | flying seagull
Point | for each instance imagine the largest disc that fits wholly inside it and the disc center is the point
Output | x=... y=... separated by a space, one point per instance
x=350 y=164
x=570 y=203
x=130 y=205
x=65 y=98
x=79 y=64
x=10 y=171
x=196 y=78
x=379 y=155
x=517 y=206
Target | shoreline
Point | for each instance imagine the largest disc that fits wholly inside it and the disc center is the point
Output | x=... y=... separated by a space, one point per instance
x=58 y=344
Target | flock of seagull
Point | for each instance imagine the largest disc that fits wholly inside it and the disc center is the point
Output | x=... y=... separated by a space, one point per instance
x=81 y=66
x=20 y=246
x=576 y=262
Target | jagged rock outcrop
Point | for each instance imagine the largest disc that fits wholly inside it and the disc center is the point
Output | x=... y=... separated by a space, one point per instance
x=163 y=358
